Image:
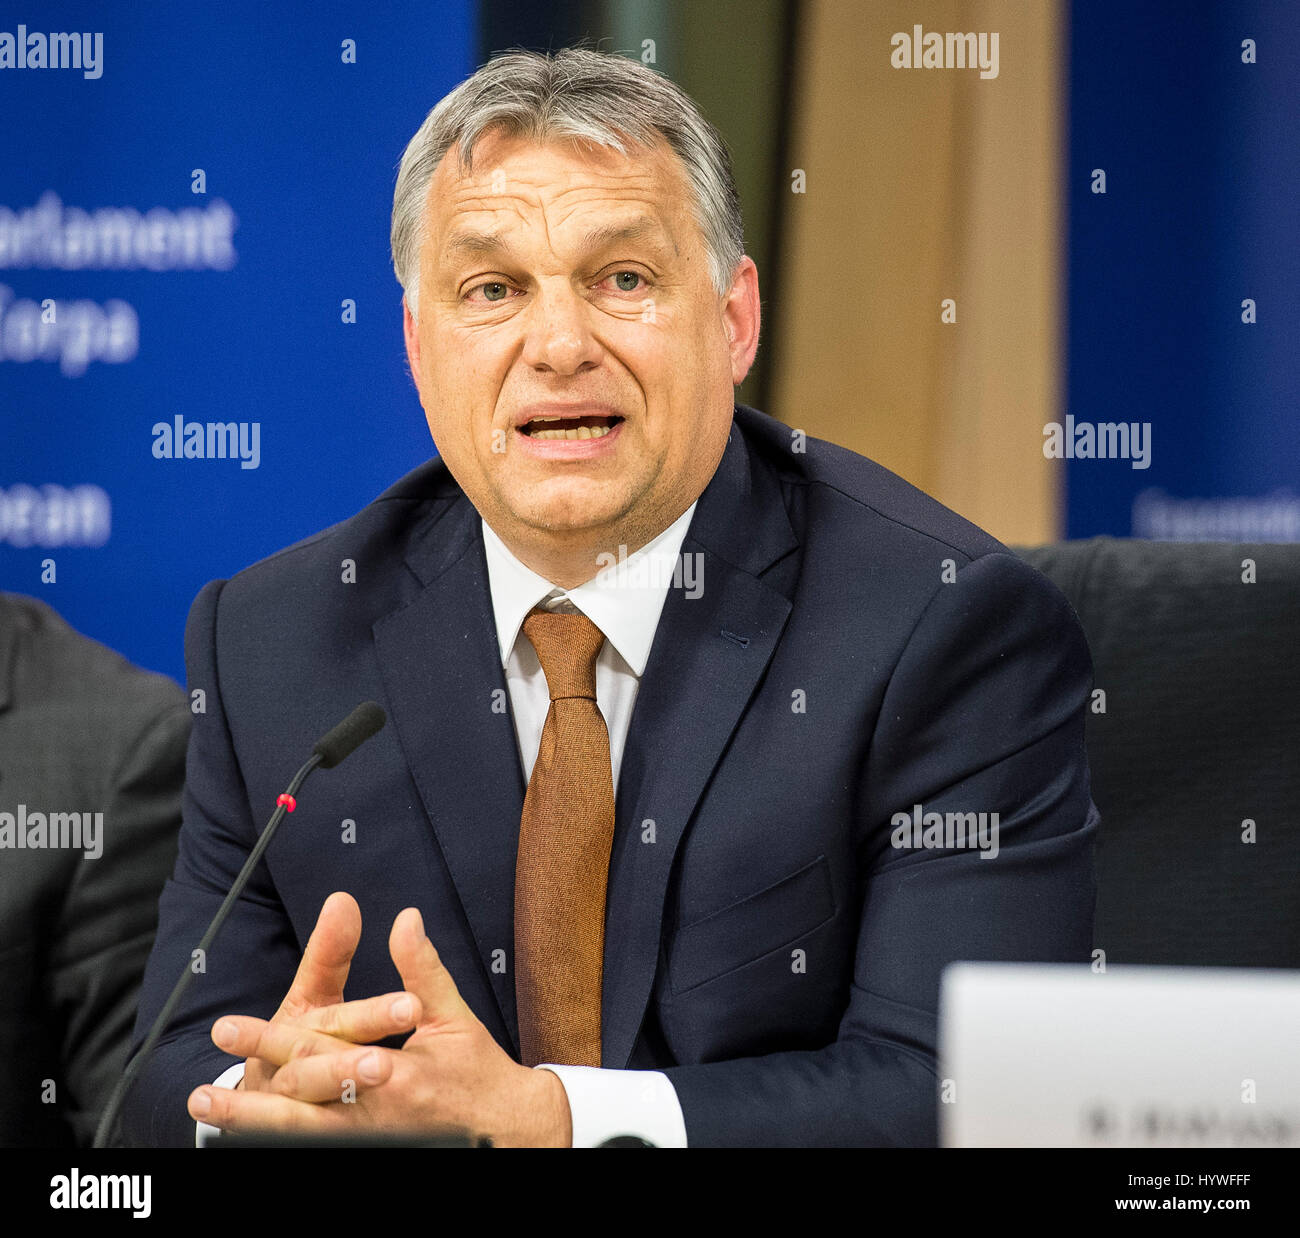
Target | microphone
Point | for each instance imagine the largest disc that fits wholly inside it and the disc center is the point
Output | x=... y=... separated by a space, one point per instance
x=363 y=722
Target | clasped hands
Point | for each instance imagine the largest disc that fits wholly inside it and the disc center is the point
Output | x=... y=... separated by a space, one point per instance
x=313 y=1067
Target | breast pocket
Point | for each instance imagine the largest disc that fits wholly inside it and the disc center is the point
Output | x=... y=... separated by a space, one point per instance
x=738 y=935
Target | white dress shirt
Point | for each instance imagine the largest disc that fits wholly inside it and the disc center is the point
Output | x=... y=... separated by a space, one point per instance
x=624 y=600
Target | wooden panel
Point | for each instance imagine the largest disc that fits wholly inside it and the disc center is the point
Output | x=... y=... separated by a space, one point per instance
x=925 y=184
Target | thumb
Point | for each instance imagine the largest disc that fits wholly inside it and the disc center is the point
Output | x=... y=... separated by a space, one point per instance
x=327 y=959
x=422 y=971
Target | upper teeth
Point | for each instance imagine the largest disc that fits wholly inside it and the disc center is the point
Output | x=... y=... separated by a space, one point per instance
x=579 y=432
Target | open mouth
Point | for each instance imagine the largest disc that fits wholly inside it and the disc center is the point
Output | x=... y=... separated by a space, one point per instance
x=557 y=426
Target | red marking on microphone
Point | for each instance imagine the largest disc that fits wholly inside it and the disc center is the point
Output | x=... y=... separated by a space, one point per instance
x=288 y=801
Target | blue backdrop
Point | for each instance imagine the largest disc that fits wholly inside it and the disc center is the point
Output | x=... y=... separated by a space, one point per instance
x=127 y=300
x=1201 y=152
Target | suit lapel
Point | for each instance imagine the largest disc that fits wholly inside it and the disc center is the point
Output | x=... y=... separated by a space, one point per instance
x=442 y=669
x=708 y=656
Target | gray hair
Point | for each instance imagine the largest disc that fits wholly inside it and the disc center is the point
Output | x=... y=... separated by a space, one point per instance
x=577 y=94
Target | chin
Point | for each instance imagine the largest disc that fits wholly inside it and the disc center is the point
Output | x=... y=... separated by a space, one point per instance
x=567 y=520
x=572 y=508
x=571 y=518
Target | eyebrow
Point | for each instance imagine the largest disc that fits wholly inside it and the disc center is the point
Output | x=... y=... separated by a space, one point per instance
x=642 y=229
x=483 y=244
x=474 y=244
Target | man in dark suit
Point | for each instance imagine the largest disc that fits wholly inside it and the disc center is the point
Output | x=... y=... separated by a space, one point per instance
x=92 y=758
x=844 y=726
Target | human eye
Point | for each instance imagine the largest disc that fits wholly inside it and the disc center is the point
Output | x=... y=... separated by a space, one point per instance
x=494 y=291
x=627 y=280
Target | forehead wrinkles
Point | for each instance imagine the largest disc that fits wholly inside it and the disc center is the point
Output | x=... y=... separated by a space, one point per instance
x=555 y=206
x=530 y=194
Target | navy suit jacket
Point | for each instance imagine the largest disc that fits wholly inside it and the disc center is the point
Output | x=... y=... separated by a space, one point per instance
x=856 y=649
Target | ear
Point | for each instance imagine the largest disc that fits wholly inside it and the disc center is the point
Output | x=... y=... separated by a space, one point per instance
x=741 y=319
x=412 y=333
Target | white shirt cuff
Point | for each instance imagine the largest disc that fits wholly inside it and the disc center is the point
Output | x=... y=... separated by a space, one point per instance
x=227 y=1079
x=604 y=1103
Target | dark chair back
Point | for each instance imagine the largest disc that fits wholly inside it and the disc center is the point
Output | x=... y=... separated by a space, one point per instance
x=1199 y=737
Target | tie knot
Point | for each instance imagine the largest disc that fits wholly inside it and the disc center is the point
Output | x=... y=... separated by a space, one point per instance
x=567 y=646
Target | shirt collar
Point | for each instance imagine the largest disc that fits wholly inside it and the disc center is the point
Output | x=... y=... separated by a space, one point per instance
x=624 y=599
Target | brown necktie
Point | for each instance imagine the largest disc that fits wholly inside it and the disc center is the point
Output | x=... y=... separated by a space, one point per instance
x=563 y=862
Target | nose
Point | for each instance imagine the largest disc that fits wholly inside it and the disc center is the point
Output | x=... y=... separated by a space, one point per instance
x=558 y=336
